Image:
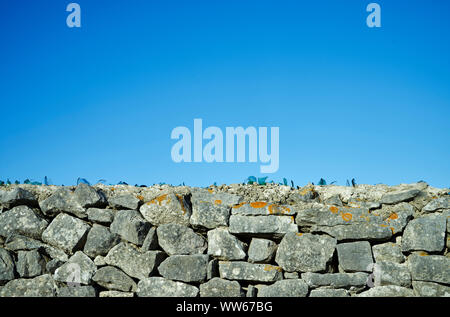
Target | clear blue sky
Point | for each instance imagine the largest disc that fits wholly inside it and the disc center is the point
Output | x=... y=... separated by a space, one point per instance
x=100 y=102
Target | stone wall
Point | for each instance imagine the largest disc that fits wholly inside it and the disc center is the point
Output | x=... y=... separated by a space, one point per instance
x=236 y=240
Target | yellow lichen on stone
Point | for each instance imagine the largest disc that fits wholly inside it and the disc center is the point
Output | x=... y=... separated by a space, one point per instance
x=269 y=268
x=217 y=202
x=258 y=204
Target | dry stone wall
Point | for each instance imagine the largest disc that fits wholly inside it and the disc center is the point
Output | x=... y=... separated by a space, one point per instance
x=232 y=241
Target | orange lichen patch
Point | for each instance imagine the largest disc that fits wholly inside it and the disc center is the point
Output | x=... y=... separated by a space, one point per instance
x=113 y=189
x=180 y=200
x=269 y=268
x=292 y=219
x=158 y=200
x=422 y=253
x=275 y=209
x=299 y=234
x=346 y=216
x=305 y=191
x=217 y=202
x=392 y=217
x=258 y=204
x=238 y=206
x=141 y=198
x=384 y=226
x=334 y=209
x=392 y=229
x=210 y=190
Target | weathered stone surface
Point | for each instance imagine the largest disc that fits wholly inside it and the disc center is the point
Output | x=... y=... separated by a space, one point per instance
x=161 y=287
x=291 y=275
x=116 y=294
x=179 y=239
x=62 y=200
x=305 y=194
x=126 y=201
x=263 y=226
x=52 y=265
x=165 y=209
x=101 y=216
x=66 y=232
x=437 y=204
x=351 y=281
x=133 y=262
x=78 y=270
x=359 y=231
x=41 y=286
x=428 y=289
x=23 y=243
x=355 y=256
x=6 y=266
x=220 y=198
x=327 y=292
x=112 y=278
x=334 y=200
x=396 y=197
x=21 y=220
x=225 y=246
x=130 y=226
x=261 y=250
x=430 y=268
x=262 y=209
x=17 y=197
x=77 y=291
x=89 y=197
x=244 y=271
x=209 y=215
x=426 y=234
x=285 y=288
x=389 y=251
x=218 y=287
x=30 y=264
x=99 y=260
x=185 y=268
x=99 y=241
x=305 y=252
x=390 y=273
x=252 y=291
x=151 y=240
x=387 y=291
x=213 y=269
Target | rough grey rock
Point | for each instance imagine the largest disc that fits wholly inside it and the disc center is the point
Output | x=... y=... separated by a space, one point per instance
x=426 y=234
x=23 y=243
x=41 y=286
x=351 y=281
x=305 y=252
x=285 y=288
x=99 y=241
x=185 y=268
x=89 y=197
x=209 y=215
x=66 y=232
x=151 y=240
x=355 y=256
x=262 y=209
x=114 y=279
x=126 y=201
x=133 y=262
x=52 y=265
x=62 y=200
x=21 y=220
x=262 y=226
x=78 y=270
x=223 y=198
x=213 y=269
x=77 y=291
x=437 y=204
x=165 y=209
x=428 y=289
x=178 y=239
x=17 y=197
x=429 y=268
x=218 y=287
x=291 y=275
x=30 y=264
x=252 y=291
x=116 y=294
x=334 y=200
x=261 y=250
x=305 y=195
x=389 y=251
x=244 y=271
x=390 y=273
x=99 y=261
x=130 y=226
x=387 y=291
x=161 y=287
x=6 y=266
x=225 y=246
x=327 y=292
x=367 y=231
x=101 y=216
x=396 y=197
